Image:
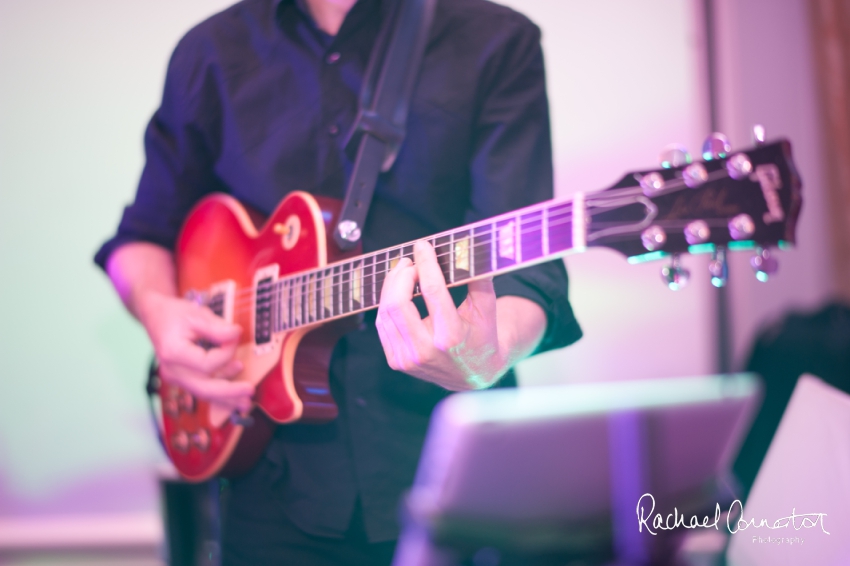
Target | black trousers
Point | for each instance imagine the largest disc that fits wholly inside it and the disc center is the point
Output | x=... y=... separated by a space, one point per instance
x=255 y=539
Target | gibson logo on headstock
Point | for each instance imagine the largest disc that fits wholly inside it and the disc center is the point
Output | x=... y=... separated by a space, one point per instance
x=711 y=201
x=768 y=177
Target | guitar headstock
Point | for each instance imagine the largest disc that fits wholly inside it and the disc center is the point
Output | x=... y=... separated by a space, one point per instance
x=744 y=200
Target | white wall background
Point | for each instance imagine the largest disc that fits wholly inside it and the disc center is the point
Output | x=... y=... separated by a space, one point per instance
x=78 y=81
x=767 y=76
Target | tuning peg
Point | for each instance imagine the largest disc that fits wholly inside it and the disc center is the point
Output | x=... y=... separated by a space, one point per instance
x=739 y=166
x=764 y=264
x=674 y=275
x=694 y=175
x=718 y=268
x=742 y=227
x=674 y=155
x=697 y=232
x=715 y=146
x=758 y=134
x=653 y=238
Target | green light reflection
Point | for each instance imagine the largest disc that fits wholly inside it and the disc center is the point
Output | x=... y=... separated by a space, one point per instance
x=652 y=256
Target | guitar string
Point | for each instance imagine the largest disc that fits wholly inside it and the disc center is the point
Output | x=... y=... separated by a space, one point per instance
x=555 y=220
x=598 y=200
x=485 y=240
x=316 y=277
x=307 y=292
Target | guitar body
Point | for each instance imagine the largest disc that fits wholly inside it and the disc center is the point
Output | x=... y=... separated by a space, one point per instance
x=223 y=253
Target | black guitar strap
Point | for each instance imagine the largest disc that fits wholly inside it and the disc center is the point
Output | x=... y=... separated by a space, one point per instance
x=379 y=129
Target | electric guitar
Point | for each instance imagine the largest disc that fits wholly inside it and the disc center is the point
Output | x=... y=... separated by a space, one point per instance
x=294 y=293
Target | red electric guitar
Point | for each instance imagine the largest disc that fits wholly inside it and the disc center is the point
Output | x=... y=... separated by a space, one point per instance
x=294 y=293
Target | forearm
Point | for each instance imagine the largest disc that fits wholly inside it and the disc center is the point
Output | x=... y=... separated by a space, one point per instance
x=140 y=272
x=521 y=326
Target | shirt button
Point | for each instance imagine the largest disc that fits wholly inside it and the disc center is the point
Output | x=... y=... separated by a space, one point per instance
x=333 y=129
x=361 y=401
x=332 y=58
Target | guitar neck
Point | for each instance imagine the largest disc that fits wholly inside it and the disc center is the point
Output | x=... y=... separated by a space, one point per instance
x=483 y=249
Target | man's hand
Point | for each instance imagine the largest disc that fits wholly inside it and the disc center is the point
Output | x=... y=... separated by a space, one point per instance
x=177 y=328
x=143 y=275
x=469 y=347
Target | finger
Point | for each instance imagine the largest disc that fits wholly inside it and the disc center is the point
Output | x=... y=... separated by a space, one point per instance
x=395 y=295
x=213 y=328
x=399 y=308
x=185 y=352
x=432 y=284
x=206 y=387
x=390 y=341
x=481 y=297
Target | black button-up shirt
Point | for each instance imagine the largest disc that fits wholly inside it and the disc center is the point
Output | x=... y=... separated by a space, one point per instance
x=257 y=103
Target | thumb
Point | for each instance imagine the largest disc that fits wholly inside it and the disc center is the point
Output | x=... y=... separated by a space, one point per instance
x=481 y=293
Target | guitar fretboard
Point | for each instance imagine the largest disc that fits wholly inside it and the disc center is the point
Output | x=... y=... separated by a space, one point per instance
x=483 y=249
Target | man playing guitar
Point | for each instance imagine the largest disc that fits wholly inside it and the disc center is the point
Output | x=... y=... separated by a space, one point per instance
x=255 y=102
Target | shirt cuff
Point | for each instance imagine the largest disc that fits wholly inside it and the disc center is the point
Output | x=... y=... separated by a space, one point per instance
x=545 y=284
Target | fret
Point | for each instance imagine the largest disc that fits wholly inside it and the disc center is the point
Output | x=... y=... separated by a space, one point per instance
x=280 y=306
x=494 y=257
x=380 y=275
x=482 y=256
x=461 y=260
x=531 y=226
x=345 y=294
x=327 y=294
x=517 y=240
x=443 y=249
x=276 y=322
x=310 y=299
x=393 y=256
x=297 y=300
x=508 y=251
x=369 y=299
x=579 y=218
x=407 y=251
x=544 y=230
x=284 y=304
x=560 y=228
x=356 y=286
x=290 y=301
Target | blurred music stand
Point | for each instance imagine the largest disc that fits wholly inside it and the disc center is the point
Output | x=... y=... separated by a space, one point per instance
x=549 y=475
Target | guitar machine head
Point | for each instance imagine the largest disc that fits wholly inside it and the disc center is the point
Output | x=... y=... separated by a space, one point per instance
x=747 y=200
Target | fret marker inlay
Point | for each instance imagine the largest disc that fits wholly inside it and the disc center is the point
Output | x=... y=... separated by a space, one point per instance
x=462 y=254
x=506 y=240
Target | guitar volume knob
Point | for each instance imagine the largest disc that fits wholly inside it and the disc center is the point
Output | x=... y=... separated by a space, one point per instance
x=201 y=439
x=180 y=441
x=186 y=402
x=171 y=407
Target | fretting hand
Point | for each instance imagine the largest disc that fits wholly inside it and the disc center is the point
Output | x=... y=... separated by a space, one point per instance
x=458 y=348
